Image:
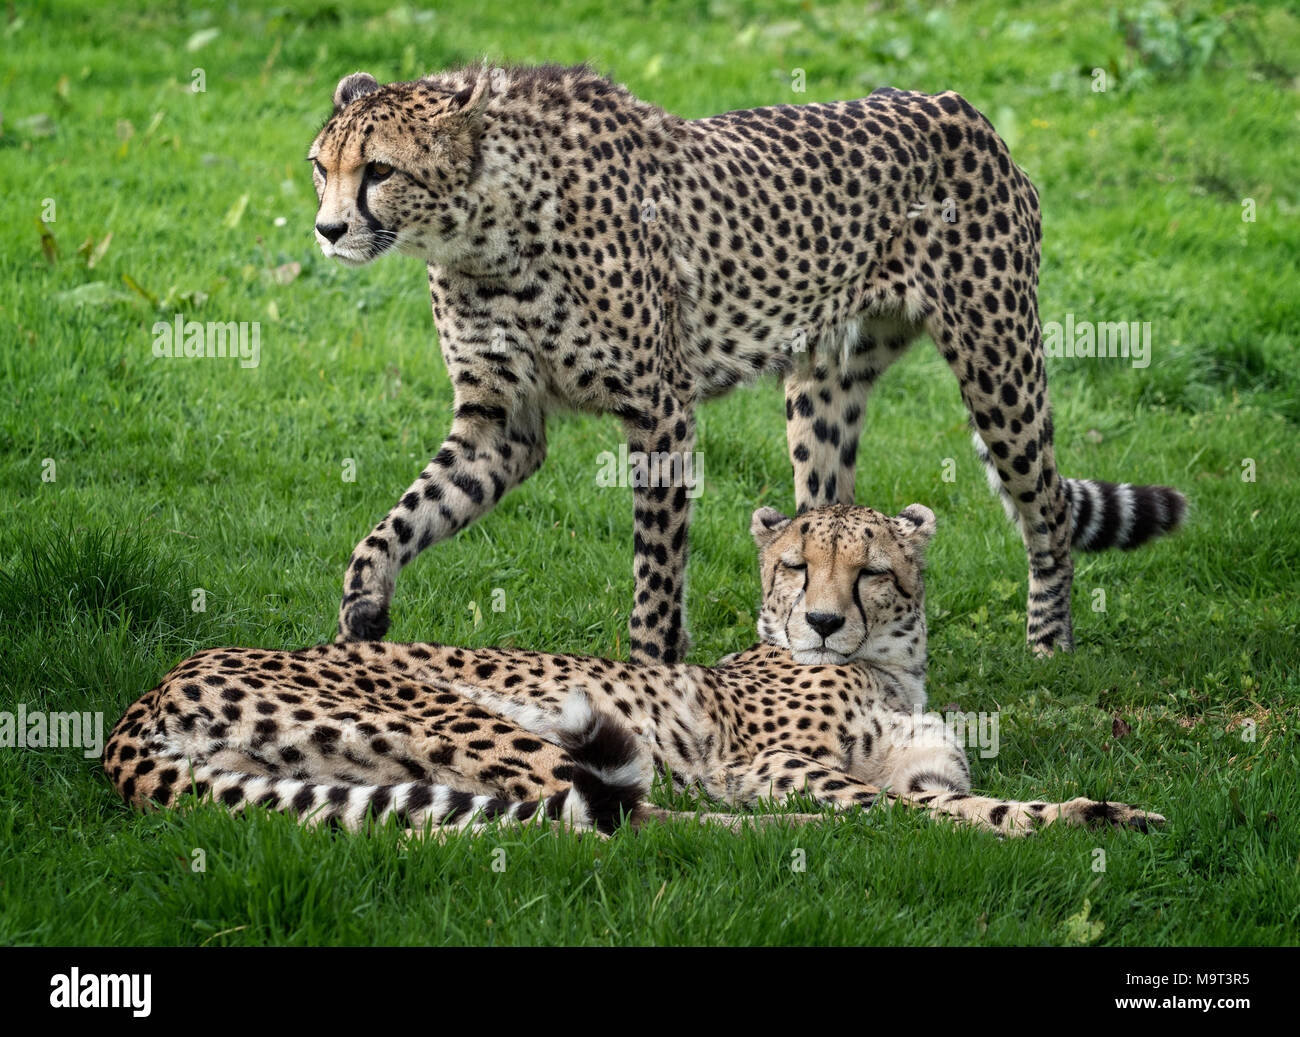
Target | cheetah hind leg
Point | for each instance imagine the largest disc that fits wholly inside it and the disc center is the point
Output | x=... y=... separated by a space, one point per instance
x=611 y=777
x=1102 y=514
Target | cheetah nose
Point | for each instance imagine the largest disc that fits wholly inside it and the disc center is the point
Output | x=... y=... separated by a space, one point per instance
x=331 y=232
x=825 y=623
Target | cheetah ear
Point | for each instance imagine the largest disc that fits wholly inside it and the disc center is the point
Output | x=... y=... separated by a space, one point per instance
x=351 y=87
x=766 y=525
x=915 y=524
x=469 y=102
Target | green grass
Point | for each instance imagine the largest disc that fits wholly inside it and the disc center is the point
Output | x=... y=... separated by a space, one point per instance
x=176 y=475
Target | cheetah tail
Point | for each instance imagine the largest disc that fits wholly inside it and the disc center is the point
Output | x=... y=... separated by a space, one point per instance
x=1104 y=514
x=611 y=776
x=1108 y=514
x=612 y=771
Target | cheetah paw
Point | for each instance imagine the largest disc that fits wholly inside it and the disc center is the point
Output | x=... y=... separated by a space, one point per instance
x=1090 y=813
x=362 y=620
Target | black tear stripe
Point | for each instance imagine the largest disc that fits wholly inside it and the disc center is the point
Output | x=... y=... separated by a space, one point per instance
x=857 y=602
x=372 y=223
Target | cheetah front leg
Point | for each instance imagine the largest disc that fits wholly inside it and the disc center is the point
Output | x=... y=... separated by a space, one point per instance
x=494 y=445
x=823 y=422
x=665 y=478
x=922 y=762
x=825 y=394
x=1011 y=817
x=779 y=773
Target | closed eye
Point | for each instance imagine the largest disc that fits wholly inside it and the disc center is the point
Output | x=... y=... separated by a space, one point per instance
x=319 y=168
x=873 y=572
x=794 y=566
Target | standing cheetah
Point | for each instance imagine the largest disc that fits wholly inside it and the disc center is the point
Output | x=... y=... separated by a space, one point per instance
x=830 y=704
x=588 y=250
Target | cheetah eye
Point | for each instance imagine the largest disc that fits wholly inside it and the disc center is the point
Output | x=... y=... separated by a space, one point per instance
x=377 y=171
x=319 y=168
x=870 y=571
x=794 y=567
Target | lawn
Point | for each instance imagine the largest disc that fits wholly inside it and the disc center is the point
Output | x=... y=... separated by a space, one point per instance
x=152 y=507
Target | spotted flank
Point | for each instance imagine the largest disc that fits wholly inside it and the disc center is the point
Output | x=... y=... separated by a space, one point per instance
x=609 y=777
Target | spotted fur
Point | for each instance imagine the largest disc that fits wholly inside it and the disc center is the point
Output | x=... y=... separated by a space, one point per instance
x=164 y=752
x=829 y=704
x=588 y=250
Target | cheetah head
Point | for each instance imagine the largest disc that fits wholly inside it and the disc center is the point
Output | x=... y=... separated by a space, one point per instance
x=844 y=582
x=392 y=165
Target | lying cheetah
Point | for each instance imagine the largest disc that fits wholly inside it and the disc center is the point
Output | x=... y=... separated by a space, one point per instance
x=829 y=704
x=588 y=250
